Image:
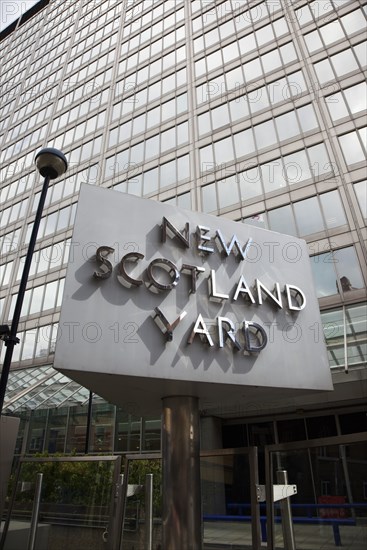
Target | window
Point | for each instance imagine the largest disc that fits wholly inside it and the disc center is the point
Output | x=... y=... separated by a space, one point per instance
x=360 y=189
x=353 y=147
x=355 y=328
x=336 y=272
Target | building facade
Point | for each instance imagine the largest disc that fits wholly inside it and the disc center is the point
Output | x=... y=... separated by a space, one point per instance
x=253 y=110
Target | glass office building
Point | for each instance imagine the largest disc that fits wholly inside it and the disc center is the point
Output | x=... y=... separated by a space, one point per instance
x=252 y=110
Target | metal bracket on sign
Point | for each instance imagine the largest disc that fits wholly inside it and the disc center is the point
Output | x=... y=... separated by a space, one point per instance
x=280 y=492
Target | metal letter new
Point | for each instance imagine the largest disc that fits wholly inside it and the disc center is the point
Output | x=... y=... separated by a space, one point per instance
x=183 y=238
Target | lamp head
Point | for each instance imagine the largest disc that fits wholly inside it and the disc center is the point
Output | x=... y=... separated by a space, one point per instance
x=51 y=162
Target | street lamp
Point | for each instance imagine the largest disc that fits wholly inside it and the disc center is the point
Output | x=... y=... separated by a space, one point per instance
x=51 y=164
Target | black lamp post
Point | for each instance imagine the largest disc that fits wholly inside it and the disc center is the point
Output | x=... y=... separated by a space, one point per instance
x=51 y=164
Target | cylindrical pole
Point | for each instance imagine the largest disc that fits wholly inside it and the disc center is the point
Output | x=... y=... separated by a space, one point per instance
x=285 y=508
x=12 y=339
x=149 y=512
x=89 y=423
x=35 y=512
x=181 y=473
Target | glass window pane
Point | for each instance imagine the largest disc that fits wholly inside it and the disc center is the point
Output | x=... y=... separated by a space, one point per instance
x=252 y=70
x=354 y=21
x=320 y=162
x=307 y=118
x=204 y=123
x=220 y=116
x=238 y=108
x=259 y=220
x=273 y=176
x=333 y=209
x=151 y=181
x=324 y=71
x=282 y=220
x=224 y=150
x=360 y=189
x=183 y=167
x=206 y=158
x=344 y=62
x=265 y=134
x=28 y=345
x=36 y=299
x=60 y=292
x=227 y=192
x=352 y=148
x=313 y=41
x=287 y=125
x=336 y=106
x=324 y=274
x=250 y=183
x=258 y=100
x=244 y=143
x=308 y=216
x=209 y=198
x=332 y=32
x=296 y=167
x=51 y=223
x=50 y=295
x=168 y=174
x=356 y=97
x=269 y=61
x=348 y=269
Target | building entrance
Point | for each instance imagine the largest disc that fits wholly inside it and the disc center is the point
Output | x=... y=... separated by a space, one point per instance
x=330 y=507
x=85 y=502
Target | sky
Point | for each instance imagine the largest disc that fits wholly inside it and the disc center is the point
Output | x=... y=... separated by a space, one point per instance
x=12 y=9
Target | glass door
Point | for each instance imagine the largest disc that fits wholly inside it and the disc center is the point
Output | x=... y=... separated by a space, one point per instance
x=231 y=513
x=330 y=507
x=77 y=503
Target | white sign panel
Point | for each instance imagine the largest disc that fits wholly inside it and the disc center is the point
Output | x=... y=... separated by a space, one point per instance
x=161 y=301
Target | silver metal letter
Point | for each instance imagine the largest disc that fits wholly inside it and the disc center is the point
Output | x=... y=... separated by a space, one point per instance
x=200 y=328
x=297 y=292
x=130 y=257
x=159 y=316
x=183 y=237
x=106 y=266
x=213 y=289
x=167 y=266
x=277 y=299
x=230 y=333
x=263 y=340
x=201 y=234
x=194 y=270
x=234 y=242
x=242 y=288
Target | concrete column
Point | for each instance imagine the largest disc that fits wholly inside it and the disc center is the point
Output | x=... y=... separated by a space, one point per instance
x=181 y=473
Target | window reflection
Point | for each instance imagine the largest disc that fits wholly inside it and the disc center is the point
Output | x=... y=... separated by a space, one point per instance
x=352 y=148
x=336 y=272
x=354 y=318
x=360 y=189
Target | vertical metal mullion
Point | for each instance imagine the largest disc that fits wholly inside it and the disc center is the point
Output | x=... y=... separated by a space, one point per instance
x=346 y=368
x=255 y=506
x=269 y=499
